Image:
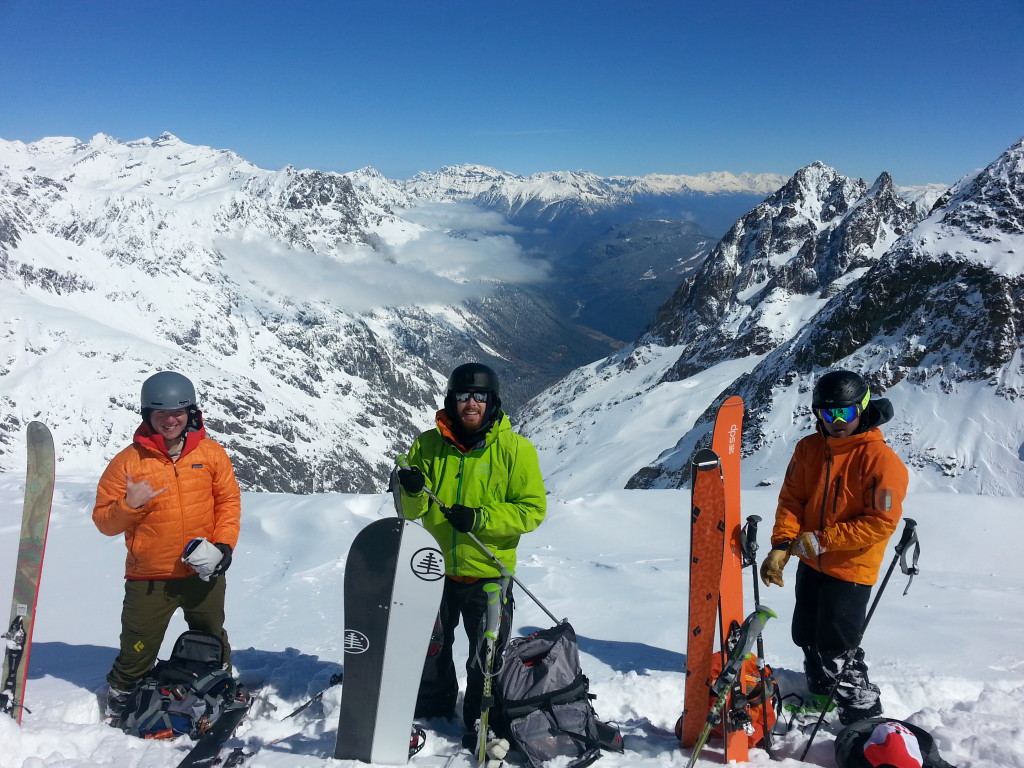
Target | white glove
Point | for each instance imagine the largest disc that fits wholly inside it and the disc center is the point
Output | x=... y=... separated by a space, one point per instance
x=496 y=750
x=807 y=545
x=203 y=557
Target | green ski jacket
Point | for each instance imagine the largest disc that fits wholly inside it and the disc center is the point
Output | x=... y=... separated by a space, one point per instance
x=501 y=477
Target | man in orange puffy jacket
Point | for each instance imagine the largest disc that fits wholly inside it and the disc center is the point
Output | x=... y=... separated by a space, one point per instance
x=840 y=502
x=173 y=495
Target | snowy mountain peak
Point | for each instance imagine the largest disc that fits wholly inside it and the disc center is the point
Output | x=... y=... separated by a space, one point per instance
x=990 y=206
x=825 y=274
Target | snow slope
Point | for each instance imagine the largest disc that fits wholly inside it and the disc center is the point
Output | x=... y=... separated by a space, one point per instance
x=613 y=562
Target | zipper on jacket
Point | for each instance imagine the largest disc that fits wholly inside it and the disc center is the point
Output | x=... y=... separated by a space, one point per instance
x=458 y=500
x=828 y=482
x=835 y=496
x=824 y=498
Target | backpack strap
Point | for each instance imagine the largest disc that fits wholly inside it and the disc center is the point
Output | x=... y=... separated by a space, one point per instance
x=152 y=715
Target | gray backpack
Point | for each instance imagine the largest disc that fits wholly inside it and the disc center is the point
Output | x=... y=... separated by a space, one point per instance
x=546 y=709
x=185 y=694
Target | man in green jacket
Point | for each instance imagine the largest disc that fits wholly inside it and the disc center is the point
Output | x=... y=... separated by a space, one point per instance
x=489 y=480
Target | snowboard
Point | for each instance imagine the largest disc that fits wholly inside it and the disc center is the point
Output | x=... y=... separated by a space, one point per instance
x=35 y=521
x=726 y=442
x=707 y=550
x=394 y=576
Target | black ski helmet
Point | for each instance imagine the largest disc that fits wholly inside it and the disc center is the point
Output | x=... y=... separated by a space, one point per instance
x=838 y=389
x=168 y=391
x=474 y=377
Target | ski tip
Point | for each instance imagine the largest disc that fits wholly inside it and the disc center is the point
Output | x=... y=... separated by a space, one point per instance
x=705 y=458
x=767 y=611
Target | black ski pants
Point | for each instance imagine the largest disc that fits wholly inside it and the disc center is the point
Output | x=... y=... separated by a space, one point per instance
x=439 y=686
x=827 y=622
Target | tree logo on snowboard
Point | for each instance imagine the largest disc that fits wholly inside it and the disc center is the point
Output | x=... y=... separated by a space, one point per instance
x=356 y=641
x=427 y=564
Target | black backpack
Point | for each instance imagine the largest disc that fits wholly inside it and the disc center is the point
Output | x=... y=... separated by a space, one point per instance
x=546 y=709
x=185 y=694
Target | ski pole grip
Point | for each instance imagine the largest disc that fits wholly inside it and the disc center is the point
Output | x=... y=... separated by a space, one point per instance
x=909 y=535
x=493 y=609
x=402 y=461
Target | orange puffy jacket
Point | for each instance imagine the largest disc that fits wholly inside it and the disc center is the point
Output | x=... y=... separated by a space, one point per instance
x=850 y=492
x=202 y=500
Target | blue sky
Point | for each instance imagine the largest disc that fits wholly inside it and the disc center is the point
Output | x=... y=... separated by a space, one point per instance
x=927 y=90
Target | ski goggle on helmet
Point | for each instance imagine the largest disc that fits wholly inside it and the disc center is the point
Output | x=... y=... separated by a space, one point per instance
x=846 y=413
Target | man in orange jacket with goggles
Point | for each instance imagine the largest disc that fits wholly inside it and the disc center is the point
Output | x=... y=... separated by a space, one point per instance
x=840 y=502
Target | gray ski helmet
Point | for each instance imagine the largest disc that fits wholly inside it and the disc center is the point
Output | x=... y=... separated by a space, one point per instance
x=838 y=389
x=474 y=377
x=168 y=391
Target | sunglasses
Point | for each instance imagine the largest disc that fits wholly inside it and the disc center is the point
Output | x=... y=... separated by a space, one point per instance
x=845 y=414
x=461 y=397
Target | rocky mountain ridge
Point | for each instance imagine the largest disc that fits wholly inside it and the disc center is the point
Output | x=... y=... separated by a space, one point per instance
x=827 y=273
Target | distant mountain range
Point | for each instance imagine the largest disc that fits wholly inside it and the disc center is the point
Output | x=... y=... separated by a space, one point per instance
x=319 y=312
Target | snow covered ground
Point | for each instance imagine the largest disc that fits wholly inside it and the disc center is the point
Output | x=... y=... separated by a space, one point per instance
x=947 y=656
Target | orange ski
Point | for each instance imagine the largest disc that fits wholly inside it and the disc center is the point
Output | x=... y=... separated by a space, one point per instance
x=707 y=547
x=726 y=443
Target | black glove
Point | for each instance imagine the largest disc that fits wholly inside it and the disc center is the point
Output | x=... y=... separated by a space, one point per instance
x=224 y=561
x=412 y=480
x=461 y=518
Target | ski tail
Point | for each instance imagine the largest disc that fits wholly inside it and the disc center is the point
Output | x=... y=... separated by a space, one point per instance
x=726 y=441
x=750 y=630
x=707 y=549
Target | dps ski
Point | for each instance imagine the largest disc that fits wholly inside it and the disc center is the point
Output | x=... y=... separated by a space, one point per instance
x=394 y=576
x=35 y=521
x=707 y=547
x=749 y=631
x=726 y=442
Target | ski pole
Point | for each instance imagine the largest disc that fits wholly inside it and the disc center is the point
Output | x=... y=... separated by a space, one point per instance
x=403 y=463
x=336 y=678
x=748 y=545
x=491 y=638
x=909 y=537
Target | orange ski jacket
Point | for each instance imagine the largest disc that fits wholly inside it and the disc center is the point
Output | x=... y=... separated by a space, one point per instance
x=850 y=492
x=202 y=500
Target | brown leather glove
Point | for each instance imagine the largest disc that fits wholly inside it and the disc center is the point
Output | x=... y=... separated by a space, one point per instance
x=807 y=545
x=771 y=568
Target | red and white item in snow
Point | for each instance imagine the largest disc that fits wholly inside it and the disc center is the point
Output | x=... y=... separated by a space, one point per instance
x=892 y=744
